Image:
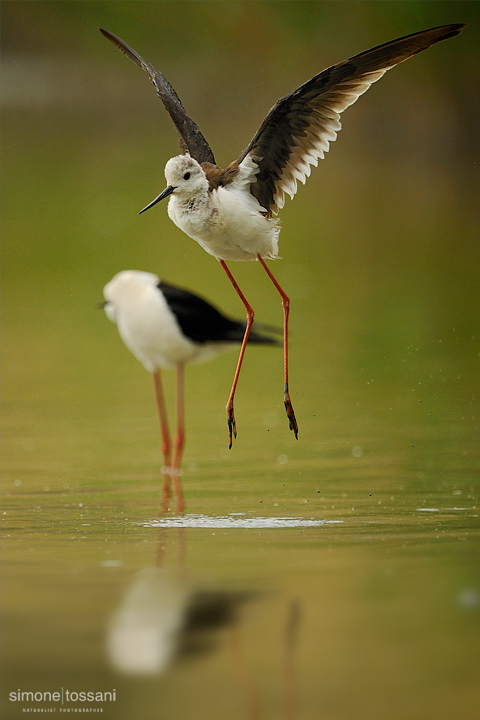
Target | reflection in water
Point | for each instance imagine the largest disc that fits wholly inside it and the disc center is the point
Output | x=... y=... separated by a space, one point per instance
x=291 y=634
x=143 y=634
x=165 y=617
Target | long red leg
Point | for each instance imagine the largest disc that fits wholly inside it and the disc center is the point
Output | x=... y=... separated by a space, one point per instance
x=232 y=428
x=286 y=311
x=179 y=441
x=166 y=445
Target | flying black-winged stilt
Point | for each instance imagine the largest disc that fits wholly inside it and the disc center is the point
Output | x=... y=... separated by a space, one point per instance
x=167 y=327
x=231 y=212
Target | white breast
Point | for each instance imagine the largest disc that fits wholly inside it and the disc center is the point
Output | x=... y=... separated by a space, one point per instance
x=228 y=226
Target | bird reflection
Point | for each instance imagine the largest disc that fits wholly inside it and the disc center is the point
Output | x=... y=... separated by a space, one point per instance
x=163 y=619
x=166 y=617
x=143 y=634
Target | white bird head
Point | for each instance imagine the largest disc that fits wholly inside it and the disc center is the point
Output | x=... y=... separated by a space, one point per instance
x=185 y=177
x=124 y=289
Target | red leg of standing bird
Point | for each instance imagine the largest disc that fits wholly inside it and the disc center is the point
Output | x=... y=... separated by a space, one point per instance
x=166 y=445
x=286 y=310
x=179 y=441
x=232 y=429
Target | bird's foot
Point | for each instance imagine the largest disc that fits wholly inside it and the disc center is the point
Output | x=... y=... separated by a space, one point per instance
x=232 y=428
x=290 y=414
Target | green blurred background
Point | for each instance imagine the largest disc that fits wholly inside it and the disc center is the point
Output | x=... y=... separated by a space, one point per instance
x=381 y=259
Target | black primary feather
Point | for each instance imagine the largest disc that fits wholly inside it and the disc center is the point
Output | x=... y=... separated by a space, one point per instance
x=300 y=126
x=191 y=139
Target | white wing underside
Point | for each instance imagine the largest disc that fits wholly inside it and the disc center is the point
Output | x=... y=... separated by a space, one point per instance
x=240 y=185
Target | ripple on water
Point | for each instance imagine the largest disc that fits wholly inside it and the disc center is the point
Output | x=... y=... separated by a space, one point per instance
x=235 y=520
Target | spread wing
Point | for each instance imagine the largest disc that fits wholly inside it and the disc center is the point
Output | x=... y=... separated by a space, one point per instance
x=300 y=127
x=190 y=138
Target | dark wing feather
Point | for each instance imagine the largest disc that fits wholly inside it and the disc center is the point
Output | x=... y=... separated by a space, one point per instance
x=201 y=322
x=300 y=127
x=190 y=137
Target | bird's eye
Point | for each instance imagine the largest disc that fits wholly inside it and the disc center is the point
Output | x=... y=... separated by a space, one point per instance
x=186 y=176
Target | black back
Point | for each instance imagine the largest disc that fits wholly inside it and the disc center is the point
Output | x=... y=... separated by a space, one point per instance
x=201 y=322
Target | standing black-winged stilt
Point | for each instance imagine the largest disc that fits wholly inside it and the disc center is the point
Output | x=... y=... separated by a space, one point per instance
x=167 y=327
x=230 y=212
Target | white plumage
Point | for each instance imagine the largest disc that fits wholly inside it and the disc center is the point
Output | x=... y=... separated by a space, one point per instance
x=147 y=325
x=229 y=223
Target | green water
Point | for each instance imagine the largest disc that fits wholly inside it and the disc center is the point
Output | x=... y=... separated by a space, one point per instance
x=372 y=616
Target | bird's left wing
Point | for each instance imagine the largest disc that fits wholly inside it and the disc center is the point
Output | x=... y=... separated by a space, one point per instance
x=190 y=137
x=300 y=127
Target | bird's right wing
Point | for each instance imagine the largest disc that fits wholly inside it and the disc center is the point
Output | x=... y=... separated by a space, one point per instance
x=300 y=127
x=190 y=138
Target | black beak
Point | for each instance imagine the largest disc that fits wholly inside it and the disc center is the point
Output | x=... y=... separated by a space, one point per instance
x=101 y=306
x=168 y=191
